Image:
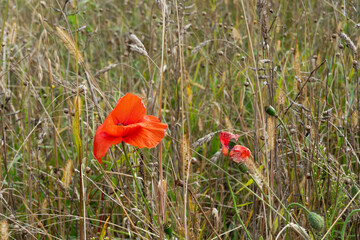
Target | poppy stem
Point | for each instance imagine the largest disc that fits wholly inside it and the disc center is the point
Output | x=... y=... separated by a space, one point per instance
x=233 y=197
x=136 y=182
x=345 y=223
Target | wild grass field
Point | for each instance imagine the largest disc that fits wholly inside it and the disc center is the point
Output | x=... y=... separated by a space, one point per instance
x=278 y=78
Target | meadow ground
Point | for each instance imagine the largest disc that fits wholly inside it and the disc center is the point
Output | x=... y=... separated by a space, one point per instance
x=203 y=68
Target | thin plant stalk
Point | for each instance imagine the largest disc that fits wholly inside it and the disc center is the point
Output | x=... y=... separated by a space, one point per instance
x=294 y=153
x=78 y=129
x=136 y=182
x=3 y=25
x=182 y=110
x=161 y=200
x=233 y=197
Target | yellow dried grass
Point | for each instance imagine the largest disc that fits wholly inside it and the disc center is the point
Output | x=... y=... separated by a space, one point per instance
x=4 y=230
x=185 y=155
x=68 y=171
x=69 y=44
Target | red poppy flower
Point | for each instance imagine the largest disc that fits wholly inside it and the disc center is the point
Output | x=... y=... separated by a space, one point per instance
x=128 y=123
x=238 y=153
x=225 y=137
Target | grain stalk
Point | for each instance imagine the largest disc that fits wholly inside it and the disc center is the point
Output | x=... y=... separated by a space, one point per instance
x=29 y=116
x=77 y=123
x=3 y=24
x=182 y=113
x=257 y=96
x=162 y=209
x=55 y=152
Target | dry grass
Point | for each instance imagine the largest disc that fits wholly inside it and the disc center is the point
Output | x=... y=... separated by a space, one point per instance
x=202 y=68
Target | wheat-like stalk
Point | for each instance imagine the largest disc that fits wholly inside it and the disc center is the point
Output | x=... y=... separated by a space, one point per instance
x=204 y=139
x=68 y=171
x=4 y=230
x=300 y=230
x=13 y=34
x=135 y=48
x=70 y=44
x=185 y=156
x=163 y=6
x=105 y=69
x=349 y=43
x=135 y=40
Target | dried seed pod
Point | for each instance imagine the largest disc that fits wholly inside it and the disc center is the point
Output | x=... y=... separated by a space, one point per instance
x=347 y=181
x=355 y=64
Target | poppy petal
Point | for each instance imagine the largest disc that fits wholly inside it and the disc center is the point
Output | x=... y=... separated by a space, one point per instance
x=148 y=133
x=240 y=153
x=102 y=143
x=225 y=138
x=128 y=123
x=129 y=109
x=112 y=129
